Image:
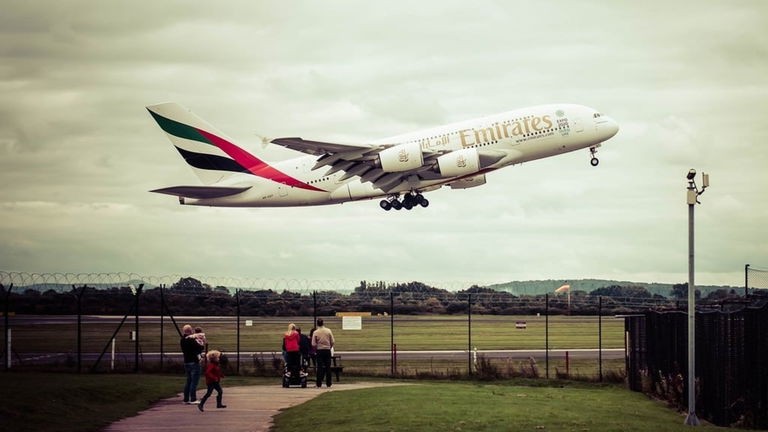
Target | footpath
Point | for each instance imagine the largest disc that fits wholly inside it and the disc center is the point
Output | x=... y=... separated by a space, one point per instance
x=249 y=408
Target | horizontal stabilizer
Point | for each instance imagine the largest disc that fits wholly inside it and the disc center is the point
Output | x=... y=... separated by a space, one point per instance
x=202 y=192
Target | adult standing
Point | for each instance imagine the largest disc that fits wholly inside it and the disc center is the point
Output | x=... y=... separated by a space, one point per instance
x=322 y=340
x=191 y=350
x=291 y=342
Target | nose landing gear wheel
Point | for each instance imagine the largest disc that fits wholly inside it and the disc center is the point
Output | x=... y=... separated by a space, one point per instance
x=594 y=161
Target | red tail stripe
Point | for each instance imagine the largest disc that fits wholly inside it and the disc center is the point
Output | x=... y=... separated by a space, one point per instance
x=253 y=164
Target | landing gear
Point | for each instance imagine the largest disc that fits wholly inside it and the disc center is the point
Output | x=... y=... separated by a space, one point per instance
x=409 y=201
x=594 y=161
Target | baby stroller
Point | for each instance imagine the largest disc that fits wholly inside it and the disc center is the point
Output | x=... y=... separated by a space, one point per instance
x=295 y=372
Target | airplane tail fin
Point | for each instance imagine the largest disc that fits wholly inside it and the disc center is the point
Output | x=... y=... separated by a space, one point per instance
x=211 y=155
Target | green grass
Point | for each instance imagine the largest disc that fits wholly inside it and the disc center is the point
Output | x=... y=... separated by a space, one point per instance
x=474 y=407
x=68 y=403
x=446 y=332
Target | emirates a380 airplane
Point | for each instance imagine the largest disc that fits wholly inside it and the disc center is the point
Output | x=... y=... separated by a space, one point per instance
x=397 y=169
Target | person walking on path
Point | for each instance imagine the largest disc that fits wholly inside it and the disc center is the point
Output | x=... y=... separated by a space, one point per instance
x=191 y=350
x=322 y=340
x=213 y=376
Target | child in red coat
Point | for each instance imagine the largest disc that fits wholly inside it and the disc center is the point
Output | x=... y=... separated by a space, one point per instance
x=213 y=376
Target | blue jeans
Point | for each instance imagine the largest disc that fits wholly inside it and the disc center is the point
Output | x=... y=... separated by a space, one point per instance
x=193 y=377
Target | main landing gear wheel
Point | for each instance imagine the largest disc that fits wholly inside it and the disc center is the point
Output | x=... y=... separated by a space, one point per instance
x=386 y=205
x=396 y=205
x=594 y=161
x=424 y=202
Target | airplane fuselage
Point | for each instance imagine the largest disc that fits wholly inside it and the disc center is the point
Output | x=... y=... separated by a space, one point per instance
x=513 y=137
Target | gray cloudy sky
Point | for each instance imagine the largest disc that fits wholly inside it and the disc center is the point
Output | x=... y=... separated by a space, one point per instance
x=685 y=80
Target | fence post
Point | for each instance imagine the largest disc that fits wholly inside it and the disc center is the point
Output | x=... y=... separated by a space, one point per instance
x=6 y=344
x=314 y=309
x=237 y=298
x=392 y=331
x=136 y=342
x=600 y=337
x=79 y=295
x=162 y=324
x=469 y=333
x=546 y=334
x=746 y=280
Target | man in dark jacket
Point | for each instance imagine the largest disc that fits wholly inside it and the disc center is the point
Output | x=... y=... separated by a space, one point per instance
x=192 y=351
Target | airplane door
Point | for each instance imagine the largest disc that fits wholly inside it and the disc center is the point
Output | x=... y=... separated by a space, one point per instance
x=578 y=125
x=282 y=190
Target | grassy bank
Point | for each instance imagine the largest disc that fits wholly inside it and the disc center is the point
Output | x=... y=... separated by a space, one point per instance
x=475 y=407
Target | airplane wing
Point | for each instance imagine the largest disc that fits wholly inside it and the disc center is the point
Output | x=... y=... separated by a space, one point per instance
x=361 y=160
x=201 y=192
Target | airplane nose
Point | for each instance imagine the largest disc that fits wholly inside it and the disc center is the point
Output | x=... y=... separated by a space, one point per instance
x=607 y=127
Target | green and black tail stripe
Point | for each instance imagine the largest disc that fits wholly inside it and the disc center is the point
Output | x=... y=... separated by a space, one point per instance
x=211 y=162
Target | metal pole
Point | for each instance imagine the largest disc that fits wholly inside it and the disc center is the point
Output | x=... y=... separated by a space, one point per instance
x=746 y=280
x=392 y=330
x=314 y=308
x=237 y=298
x=79 y=295
x=691 y=419
x=600 y=337
x=136 y=342
x=546 y=333
x=469 y=333
x=7 y=331
x=162 y=324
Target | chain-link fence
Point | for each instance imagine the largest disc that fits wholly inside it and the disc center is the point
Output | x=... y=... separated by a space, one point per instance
x=755 y=278
x=731 y=353
x=125 y=321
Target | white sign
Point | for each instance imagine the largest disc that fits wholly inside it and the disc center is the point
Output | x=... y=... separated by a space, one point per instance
x=351 y=323
x=249 y=323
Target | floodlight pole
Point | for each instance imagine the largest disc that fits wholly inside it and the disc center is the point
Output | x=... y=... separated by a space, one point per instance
x=692 y=199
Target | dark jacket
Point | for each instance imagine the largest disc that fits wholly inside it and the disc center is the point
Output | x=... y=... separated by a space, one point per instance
x=191 y=350
x=304 y=345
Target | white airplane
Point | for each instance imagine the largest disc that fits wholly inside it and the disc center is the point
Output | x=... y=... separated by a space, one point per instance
x=458 y=155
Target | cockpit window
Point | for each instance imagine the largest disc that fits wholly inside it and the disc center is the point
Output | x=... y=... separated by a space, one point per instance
x=596 y=115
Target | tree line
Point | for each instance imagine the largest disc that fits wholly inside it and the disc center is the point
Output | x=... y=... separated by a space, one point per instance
x=189 y=296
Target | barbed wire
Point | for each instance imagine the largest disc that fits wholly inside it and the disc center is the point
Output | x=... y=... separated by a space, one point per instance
x=324 y=290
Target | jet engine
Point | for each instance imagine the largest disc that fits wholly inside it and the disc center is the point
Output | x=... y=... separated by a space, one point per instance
x=402 y=157
x=468 y=182
x=459 y=162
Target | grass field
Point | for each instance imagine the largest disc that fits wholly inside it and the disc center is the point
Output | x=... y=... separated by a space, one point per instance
x=475 y=407
x=411 y=333
x=67 y=403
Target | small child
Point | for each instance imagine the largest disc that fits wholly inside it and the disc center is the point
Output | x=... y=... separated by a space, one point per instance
x=199 y=337
x=213 y=376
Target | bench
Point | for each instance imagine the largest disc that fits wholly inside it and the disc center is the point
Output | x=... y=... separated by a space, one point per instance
x=336 y=367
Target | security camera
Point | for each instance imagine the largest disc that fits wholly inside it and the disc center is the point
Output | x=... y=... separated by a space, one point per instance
x=691 y=174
